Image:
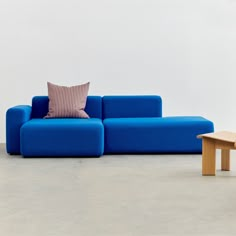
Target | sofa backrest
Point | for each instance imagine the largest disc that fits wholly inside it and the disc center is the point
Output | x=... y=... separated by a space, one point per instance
x=121 y=106
x=93 y=106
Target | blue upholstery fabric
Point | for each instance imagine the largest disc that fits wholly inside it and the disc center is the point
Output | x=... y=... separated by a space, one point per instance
x=155 y=135
x=62 y=137
x=15 y=117
x=132 y=106
x=93 y=106
x=18 y=115
x=131 y=124
x=39 y=106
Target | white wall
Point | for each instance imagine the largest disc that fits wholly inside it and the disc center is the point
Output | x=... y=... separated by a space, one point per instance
x=183 y=50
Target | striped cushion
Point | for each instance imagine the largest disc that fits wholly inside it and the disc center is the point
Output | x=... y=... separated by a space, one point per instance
x=67 y=101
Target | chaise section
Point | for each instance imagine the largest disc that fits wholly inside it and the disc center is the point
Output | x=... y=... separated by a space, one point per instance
x=155 y=134
x=62 y=137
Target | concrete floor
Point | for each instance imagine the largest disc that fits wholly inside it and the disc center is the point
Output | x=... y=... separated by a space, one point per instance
x=119 y=195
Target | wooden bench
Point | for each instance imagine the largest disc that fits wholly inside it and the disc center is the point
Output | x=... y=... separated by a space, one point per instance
x=223 y=140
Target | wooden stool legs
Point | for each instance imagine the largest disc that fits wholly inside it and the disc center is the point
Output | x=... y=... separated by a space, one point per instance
x=208 y=157
x=225 y=159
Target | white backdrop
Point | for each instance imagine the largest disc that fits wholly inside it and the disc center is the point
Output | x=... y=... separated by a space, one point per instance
x=183 y=50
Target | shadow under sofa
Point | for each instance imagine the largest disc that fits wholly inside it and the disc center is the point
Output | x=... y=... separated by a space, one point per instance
x=117 y=125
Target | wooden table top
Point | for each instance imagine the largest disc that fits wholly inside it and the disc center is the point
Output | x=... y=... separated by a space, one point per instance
x=226 y=136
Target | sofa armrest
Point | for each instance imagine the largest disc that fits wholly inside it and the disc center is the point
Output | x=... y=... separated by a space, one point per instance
x=15 y=117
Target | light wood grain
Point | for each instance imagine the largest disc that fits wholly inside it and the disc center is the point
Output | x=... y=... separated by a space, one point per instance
x=225 y=159
x=225 y=136
x=219 y=144
x=224 y=140
x=208 y=157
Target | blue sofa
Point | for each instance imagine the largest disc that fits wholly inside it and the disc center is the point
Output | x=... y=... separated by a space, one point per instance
x=117 y=124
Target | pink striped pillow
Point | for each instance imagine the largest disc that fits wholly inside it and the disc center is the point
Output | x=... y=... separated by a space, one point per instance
x=67 y=101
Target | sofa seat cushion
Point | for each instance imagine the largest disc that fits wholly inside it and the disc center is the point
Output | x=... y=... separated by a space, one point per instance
x=62 y=137
x=155 y=135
